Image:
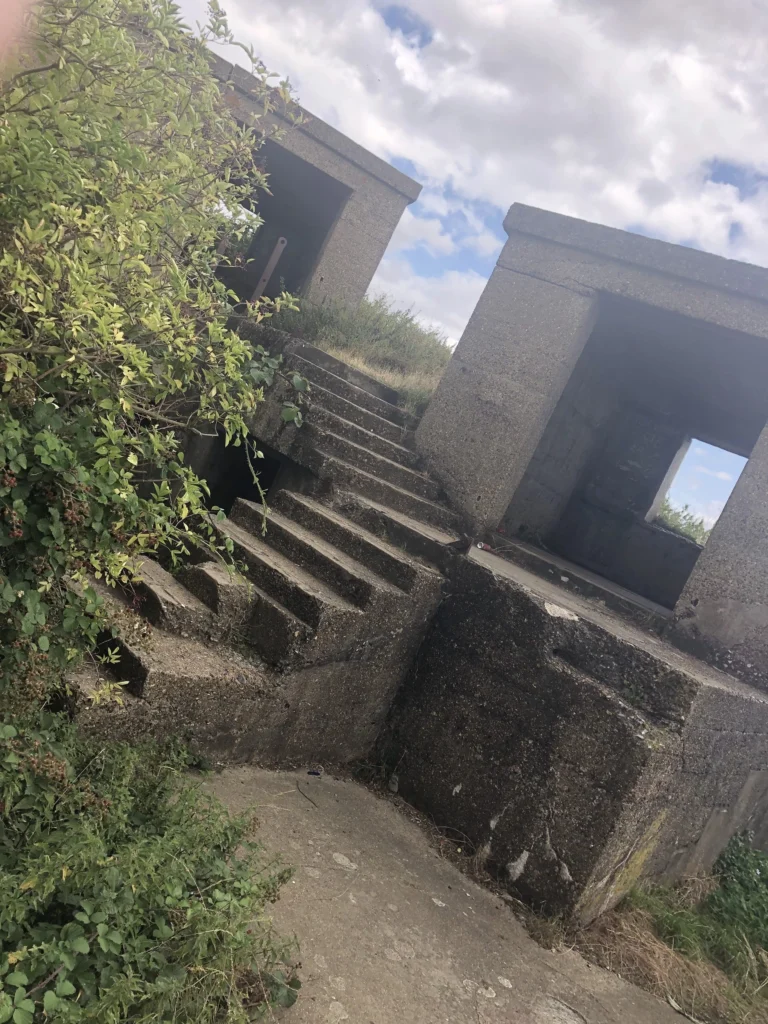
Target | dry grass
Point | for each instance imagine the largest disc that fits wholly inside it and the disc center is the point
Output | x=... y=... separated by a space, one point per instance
x=390 y=344
x=624 y=941
x=415 y=387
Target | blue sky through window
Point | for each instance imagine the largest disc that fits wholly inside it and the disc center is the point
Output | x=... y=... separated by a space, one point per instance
x=705 y=480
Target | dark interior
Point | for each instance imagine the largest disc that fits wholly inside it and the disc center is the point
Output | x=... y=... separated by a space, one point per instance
x=646 y=382
x=229 y=476
x=302 y=206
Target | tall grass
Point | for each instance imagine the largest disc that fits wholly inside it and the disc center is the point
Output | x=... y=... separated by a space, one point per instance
x=390 y=344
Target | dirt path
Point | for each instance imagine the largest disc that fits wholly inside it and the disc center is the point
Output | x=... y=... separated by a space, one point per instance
x=392 y=934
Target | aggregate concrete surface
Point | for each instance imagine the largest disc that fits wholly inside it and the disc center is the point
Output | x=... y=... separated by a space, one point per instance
x=391 y=933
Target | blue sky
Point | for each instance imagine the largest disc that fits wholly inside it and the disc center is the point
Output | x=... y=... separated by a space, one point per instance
x=705 y=480
x=644 y=115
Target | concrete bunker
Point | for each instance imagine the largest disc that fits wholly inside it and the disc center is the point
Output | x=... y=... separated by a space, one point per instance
x=647 y=382
x=299 y=213
x=591 y=357
x=334 y=203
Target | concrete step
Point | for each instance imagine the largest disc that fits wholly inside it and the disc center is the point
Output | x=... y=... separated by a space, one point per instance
x=549 y=566
x=380 y=557
x=346 y=372
x=418 y=538
x=150 y=664
x=365 y=438
x=350 y=579
x=409 y=479
x=166 y=602
x=334 y=403
x=222 y=590
x=364 y=399
x=277 y=576
x=251 y=615
x=349 y=477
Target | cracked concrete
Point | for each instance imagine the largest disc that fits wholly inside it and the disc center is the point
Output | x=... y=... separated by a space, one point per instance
x=390 y=932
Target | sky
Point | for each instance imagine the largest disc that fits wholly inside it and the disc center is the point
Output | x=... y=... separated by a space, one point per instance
x=640 y=114
x=705 y=480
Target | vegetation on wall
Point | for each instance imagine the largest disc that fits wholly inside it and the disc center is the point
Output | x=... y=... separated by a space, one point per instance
x=389 y=344
x=683 y=521
x=122 y=168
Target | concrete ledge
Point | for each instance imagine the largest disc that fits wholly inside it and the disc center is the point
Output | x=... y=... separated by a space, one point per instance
x=327 y=136
x=661 y=257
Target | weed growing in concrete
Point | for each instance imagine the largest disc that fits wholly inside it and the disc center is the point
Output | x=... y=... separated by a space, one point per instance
x=702 y=944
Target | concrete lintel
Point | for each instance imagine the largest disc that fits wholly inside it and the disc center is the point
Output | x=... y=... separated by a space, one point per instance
x=583 y=271
x=327 y=136
x=661 y=257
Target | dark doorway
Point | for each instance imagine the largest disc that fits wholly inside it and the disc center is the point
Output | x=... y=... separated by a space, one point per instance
x=303 y=206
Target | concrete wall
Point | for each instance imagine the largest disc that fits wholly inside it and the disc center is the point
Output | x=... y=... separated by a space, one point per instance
x=722 y=613
x=604 y=527
x=378 y=195
x=568 y=443
x=491 y=408
x=624 y=548
x=574 y=753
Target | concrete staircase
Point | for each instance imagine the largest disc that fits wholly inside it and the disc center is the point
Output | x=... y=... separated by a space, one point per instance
x=301 y=653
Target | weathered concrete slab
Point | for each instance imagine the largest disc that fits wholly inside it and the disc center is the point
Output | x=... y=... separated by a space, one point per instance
x=389 y=932
x=578 y=753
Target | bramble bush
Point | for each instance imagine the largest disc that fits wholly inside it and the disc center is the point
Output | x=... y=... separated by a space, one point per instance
x=123 y=896
x=122 y=170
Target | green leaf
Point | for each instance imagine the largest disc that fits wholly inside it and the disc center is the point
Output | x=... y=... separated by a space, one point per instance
x=16 y=978
x=21 y=1016
x=79 y=945
x=65 y=988
x=50 y=1001
x=299 y=382
x=43 y=643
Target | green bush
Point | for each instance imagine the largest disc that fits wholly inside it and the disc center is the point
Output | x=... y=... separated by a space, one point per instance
x=122 y=896
x=683 y=521
x=121 y=167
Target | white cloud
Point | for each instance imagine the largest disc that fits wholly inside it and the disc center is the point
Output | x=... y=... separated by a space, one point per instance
x=603 y=109
x=718 y=474
x=444 y=302
x=426 y=232
x=709 y=511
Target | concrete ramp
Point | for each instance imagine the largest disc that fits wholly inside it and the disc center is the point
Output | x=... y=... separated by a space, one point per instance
x=390 y=932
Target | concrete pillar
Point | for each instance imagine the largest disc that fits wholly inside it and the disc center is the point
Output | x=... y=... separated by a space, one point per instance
x=354 y=246
x=500 y=388
x=723 y=609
